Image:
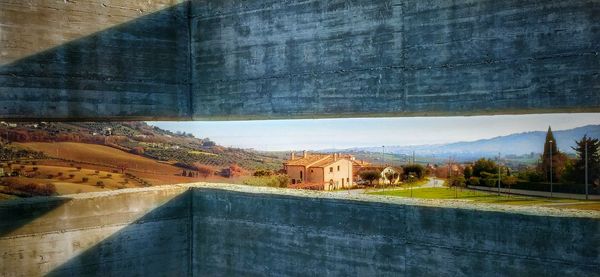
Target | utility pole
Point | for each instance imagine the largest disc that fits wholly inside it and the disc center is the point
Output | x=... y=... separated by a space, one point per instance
x=449 y=173
x=586 y=170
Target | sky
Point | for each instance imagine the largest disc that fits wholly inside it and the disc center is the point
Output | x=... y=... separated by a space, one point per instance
x=316 y=134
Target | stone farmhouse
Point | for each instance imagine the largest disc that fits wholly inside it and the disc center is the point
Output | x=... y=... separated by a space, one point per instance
x=320 y=171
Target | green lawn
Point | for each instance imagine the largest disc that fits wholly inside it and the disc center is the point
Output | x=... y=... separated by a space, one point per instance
x=486 y=197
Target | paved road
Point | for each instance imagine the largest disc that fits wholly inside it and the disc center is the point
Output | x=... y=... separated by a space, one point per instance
x=536 y=193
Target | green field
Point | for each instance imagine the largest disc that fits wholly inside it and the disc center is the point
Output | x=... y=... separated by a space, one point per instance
x=486 y=197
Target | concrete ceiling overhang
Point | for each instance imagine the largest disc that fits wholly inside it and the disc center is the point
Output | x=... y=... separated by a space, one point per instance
x=268 y=59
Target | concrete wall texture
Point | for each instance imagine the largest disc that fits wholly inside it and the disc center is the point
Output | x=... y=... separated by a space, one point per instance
x=225 y=230
x=234 y=59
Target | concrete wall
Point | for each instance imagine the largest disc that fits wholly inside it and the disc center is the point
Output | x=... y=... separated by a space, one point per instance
x=233 y=59
x=272 y=58
x=92 y=59
x=245 y=233
x=135 y=233
x=218 y=230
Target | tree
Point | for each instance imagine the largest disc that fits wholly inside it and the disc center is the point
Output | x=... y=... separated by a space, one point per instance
x=577 y=171
x=456 y=181
x=208 y=143
x=234 y=170
x=122 y=168
x=100 y=184
x=552 y=156
x=468 y=172
x=416 y=169
x=509 y=181
x=484 y=165
x=473 y=181
x=138 y=150
x=391 y=176
x=369 y=175
x=204 y=170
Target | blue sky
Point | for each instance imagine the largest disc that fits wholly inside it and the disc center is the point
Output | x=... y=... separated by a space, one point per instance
x=315 y=134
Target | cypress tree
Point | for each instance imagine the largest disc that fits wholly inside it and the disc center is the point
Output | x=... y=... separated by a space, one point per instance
x=550 y=144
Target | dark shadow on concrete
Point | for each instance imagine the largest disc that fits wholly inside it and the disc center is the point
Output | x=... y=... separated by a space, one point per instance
x=17 y=213
x=136 y=69
x=156 y=244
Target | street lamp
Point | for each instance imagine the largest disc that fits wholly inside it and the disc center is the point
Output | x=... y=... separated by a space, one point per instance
x=499 y=174
x=551 y=190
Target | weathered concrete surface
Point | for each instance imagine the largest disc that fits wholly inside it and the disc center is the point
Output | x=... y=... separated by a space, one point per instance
x=271 y=58
x=269 y=232
x=252 y=59
x=218 y=229
x=129 y=233
x=91 y=59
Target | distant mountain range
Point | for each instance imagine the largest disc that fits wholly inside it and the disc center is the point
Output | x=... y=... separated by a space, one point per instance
x=514 y=144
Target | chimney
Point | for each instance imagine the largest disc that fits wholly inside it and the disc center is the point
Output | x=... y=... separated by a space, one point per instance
x=293 y=156
x=304 y=154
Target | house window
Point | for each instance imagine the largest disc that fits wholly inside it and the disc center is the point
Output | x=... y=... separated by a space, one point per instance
x=311 y=171
x=331 y=169
x=293 y=181
x=338 y=168
x=348 y=180
x=300 y=175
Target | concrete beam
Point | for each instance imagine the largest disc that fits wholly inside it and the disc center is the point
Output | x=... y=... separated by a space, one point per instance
x=263 y=59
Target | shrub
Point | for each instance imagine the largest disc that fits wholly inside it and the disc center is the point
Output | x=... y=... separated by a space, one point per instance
x=100 y=184
x=262 y=172
x=109 y=175
x=416 y=169
x=85 y=179
x=59 y=174
x=49 y=176
x=473 y=181
x=278 y=181
x=490 y=182
x=456 y=181
x=369 y=175
x=97 y=171
x=71 y=176
x=34 y=189
x=35 y=168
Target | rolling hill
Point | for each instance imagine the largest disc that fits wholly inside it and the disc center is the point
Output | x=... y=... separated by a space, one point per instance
x=513 y=144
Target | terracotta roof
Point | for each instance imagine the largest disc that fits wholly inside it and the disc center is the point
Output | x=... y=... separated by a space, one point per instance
x=309 y=160
x=327 y=162
x=314 y=160
x=360 y=163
